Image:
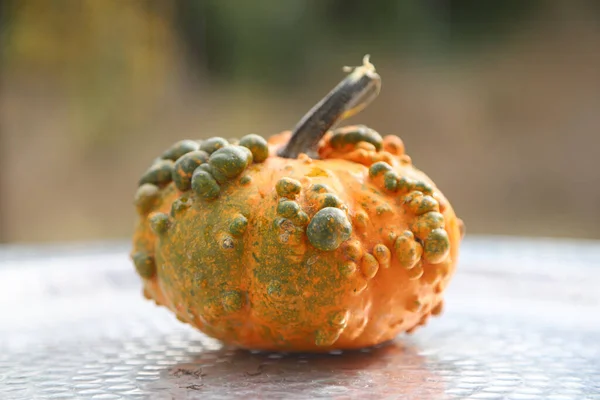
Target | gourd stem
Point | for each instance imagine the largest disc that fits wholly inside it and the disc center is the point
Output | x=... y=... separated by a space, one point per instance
x=349 y=97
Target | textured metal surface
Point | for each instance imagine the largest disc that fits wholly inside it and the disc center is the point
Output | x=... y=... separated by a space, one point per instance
x=522 y=321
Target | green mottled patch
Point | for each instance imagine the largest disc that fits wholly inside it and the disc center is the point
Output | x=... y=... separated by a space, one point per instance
x=246 y=179
x=232 y=300
x=205 y=185
x=379 y=168
x=179 y=149
x=274 y=289
x=185 y=167
x=437 y=246
x=328 y=229
x=159 y=174
x=146 y=197
x=287 y=187
x=213 y=144
x=257 y=145
x=288 y=208
x=390 y=181
x=355 y=134
x=144 y=265
x=229 y=161
x=160 y=223
x=238 y=226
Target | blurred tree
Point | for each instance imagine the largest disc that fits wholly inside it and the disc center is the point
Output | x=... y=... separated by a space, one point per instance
x=104 y=54
x=268 y=41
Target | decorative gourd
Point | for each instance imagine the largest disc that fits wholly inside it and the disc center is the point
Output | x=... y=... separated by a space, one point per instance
x=314 y=240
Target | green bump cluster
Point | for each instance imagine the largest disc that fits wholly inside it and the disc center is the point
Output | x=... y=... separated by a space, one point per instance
x=394 y=183
x=355 y=134
x=378 y=168
x=257 y=145
x=287 y=187
x=213 y=161
x=179 y=149
x=185 y=167
x=427 y=236
x=144 y=264
x=159 y=174
x=328 y=228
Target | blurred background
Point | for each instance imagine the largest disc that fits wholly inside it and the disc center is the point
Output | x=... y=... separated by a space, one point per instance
x=498 y=101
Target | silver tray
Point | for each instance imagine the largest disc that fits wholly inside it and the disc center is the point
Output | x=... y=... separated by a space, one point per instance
x=522 y=321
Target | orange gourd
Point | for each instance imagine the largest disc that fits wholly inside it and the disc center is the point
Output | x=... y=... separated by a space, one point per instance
x=318 y=239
